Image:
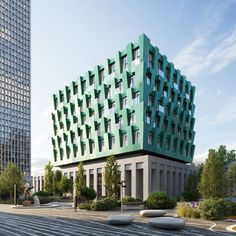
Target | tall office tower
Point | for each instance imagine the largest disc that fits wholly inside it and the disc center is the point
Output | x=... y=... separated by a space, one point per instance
x=136 y=106
x=15 y=84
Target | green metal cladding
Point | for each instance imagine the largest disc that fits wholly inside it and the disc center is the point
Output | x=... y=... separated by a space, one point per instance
x=137 y=101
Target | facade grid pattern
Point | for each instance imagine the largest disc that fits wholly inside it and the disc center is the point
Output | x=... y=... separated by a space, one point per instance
x=15 y=85
x=137 y=101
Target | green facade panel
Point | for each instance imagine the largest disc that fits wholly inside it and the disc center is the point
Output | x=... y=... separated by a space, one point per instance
x=137 y=101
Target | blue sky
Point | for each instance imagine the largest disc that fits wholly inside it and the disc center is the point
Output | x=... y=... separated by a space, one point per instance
x=70 y=37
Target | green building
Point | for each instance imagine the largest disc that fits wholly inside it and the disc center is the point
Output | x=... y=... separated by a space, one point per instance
x=136 y=106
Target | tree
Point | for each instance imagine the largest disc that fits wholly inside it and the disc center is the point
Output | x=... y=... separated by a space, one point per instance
x=231 y=174
x=191 y=192
x=66 y=185
x=111 y=177
x=56 y=182
x=225 y=155
x=9 y=177
x=80 y=181
x=49 y=175
x=213 y=182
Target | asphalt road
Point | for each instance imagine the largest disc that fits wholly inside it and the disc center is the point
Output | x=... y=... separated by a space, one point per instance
x=62 y=222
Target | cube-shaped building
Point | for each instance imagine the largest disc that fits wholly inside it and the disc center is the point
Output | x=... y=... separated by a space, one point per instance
x=136 y=106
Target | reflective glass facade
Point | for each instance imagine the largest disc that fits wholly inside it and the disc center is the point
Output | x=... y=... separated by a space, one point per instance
x=15 y=84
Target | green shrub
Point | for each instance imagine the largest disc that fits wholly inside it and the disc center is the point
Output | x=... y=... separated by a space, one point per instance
x=42 y=194
x=159 y=200
x=86 y=206
x=212 y=209
x=88 y=193
x=230 y=208
x=45 y=200
x=130 y=200
x=104 y=205
x=188 y=211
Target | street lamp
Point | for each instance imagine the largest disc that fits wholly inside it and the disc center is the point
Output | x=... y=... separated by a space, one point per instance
x=122 y=185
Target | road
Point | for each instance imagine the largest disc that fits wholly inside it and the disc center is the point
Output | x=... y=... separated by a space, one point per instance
x=65 y=222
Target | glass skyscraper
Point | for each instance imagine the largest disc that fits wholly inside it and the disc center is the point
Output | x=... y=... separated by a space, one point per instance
x=15 y=84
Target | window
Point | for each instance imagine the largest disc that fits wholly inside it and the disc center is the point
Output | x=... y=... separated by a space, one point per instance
x=165 y=91
x=132 y=81
x=151 y=59
x=119 y=87
x=83 y=86
x=160 y=68
x=108 y=126
x=101 y=76
x=148 y=77
x=119 y=122
x=172 y=128
x=165 y=125
x=92 y=80
x=75 y=89
x=136 y=54
x=88 y=132
x=112 y=68
x=157 y=85
x=124 y=64
x=112 y=142
x=161 y=108
x=101 y=112
x=157 y=121
x=168 y=74
x=109 y=93
x=148 y=117
x=136 y=137
x=98 y=97
x=150 y=100
x=150 y=137
x=136 y=98
x=132 y=118
x=123 y=102
x=124 y=140
x=101 y=145
x=92 y=147
x=68 y=95
x=175 y=82
x=89 y=102
x=83 y=119
x=112 y=107
x=83 y=149
x=98 y=129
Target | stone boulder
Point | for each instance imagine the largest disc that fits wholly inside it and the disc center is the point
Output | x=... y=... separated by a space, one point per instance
x=152 y=213
x=120 y=219
x=167 y=223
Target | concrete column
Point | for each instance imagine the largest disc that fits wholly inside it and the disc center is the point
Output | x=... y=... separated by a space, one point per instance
x=146 y=178
x=165 y=178
x=87 y=178
x=158 y=178
x=103 y=183
x=154 y=177
x=171 y=181
x=95 y=179
x=134 y=180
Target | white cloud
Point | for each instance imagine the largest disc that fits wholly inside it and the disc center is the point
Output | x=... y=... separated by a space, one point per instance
x=38 y=163
x=208 y=51
x=200 y=158
x=225 y=114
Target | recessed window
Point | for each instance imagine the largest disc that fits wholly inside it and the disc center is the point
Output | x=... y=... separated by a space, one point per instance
x=148 y=117
x=132 y=81
x=148 y=77
x=150 y=137
x=124 y=64
x=136 y=137
x=112 y=107
x=136 y=54
x=112 y=68
x=124 y=140
x=124 y=102
x=132 y=119
x=112 y=142
x=108 y=126
x=101 y=76
x=136 y=98
x=160 y=68
x=119 y=122
x=151 y=57
x=119 y=88
x=150 y=100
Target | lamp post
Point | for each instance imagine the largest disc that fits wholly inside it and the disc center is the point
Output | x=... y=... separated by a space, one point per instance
x=122 y=185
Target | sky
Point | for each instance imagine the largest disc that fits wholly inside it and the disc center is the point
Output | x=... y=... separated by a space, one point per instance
x=70 y=37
